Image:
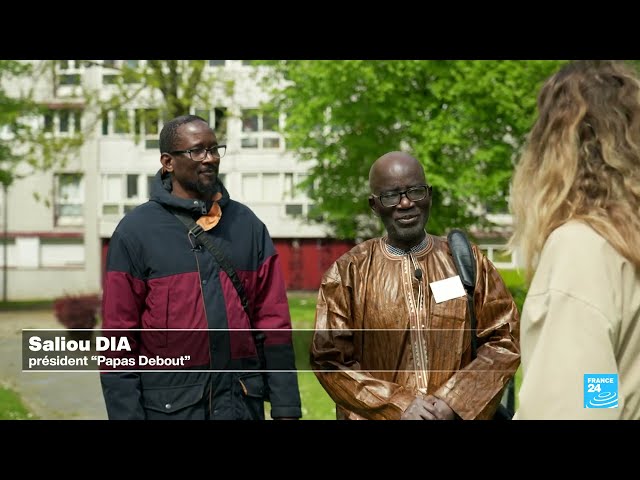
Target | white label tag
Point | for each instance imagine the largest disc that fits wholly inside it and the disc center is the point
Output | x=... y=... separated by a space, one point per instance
x=447 y=289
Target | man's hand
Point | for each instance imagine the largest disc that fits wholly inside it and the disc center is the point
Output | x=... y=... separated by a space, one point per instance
x=419 y=409
x=440 y=409
x=428 y=408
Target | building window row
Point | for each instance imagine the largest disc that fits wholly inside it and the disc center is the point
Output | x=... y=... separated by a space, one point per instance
x=62 y=121
x=262 y=188
x=259 y=131
x=147 y=123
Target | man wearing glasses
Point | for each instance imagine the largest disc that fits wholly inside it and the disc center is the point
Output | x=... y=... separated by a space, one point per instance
x=190 y=315
x=385 y=346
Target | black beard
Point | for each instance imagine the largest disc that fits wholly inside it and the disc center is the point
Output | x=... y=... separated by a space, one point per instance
x=204 y=190
x=207 y=190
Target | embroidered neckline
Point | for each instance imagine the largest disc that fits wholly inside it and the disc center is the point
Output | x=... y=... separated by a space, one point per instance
x=399 y=252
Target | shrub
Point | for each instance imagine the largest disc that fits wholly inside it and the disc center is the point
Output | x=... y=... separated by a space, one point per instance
x=77 y=311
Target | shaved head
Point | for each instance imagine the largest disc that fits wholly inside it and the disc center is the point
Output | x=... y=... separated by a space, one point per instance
x=394 y=164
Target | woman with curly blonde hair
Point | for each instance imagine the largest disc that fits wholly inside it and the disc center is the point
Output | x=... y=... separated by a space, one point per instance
x=576 y=203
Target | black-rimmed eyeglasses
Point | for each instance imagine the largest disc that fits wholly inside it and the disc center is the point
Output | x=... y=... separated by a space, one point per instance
x=415 y=194
x=199 y=154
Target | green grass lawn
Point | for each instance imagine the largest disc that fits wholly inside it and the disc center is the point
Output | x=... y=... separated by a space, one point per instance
x=316 y=403
x=11 y=406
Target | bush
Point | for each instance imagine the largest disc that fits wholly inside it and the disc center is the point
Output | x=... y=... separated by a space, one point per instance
x=77 y=311
x=515 y=282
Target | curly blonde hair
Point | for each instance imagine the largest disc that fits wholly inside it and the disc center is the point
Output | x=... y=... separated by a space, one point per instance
x=581 y=160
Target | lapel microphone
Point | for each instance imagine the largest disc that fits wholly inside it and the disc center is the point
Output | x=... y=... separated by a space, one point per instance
x=418 y=274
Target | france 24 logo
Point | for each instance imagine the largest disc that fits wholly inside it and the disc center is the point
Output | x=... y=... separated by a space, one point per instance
x=600 y=390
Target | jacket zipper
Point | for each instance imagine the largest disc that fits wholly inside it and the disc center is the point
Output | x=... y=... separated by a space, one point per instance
x=210 y=400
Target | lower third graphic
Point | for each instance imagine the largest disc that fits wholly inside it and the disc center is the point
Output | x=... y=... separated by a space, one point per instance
x=600 y=390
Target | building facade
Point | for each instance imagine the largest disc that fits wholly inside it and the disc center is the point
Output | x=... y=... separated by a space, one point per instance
x=58 y=223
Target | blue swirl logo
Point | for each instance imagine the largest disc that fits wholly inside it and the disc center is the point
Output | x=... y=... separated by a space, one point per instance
x=601 y=390
x=603 y=400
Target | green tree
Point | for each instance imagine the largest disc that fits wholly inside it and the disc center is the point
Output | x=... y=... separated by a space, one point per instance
x=11 y=109
x=23 y=141
x=464 y=120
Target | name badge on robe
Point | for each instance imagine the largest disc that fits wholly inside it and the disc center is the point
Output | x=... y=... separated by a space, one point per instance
x=447 y=289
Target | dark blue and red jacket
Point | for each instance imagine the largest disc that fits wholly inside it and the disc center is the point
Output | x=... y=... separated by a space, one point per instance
x=172 y=298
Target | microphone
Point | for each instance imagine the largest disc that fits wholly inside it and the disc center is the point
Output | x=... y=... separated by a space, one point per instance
x=418 y=274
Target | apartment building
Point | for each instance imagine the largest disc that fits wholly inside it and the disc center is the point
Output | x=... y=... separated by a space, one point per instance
x=57 y=224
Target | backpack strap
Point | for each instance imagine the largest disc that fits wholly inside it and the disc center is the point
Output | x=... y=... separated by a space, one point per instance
x=466 y=266
x=198 y=233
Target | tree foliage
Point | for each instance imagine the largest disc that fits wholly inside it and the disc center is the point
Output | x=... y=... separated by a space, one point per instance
x=464 y=120
x=172 y=86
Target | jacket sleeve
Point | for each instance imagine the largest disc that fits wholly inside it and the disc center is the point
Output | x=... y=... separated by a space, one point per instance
x=271 y=314
x=122 y=303
x=553 y=382
x=570 y=327
x=335 y=362
x=475 y=391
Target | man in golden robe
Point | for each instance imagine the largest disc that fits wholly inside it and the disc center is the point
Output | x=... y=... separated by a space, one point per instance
x=384 y=347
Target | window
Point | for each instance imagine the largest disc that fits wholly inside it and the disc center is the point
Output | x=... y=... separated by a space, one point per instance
x=216 y=63
x=125 y=70
x=261 y=187
x=69 y=79
x=217 y=118
x=63 y=115
x=151 y=128
x=249 y=142
x=292 y=190
x=270 y=183
x=151 y=119
x=249 y=121
x=68 y=72
x=259 y=131
x=150 y=179
x=48 y=122
x=112 y=188
x=293 y=210
x=69 y=199
x=251 y=187
x=145 y=123
x=62 y=121
x=293 y=195
x=105 y=123
x=121 y=193
x=132 y=186
x=121 y=121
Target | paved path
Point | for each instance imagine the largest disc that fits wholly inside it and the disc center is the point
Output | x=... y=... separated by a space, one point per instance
x=49 y=395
